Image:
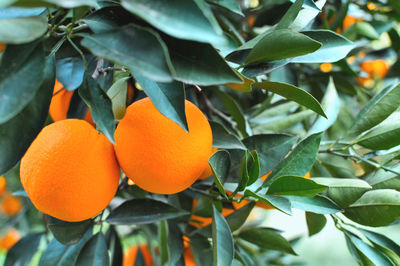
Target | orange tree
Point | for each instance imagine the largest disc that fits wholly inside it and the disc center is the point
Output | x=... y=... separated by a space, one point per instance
x=250 y=96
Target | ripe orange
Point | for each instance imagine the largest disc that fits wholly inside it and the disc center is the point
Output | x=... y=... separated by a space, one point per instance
x=326 y=67
x=70 y=171
x=130 y=256
x=375 y=69
x=156 y=153
x=3 y=185
x=2 y=46
x=12 y=236
x=11 y=205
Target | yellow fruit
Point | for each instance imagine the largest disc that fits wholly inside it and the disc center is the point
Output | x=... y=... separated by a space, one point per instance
x=156 y=153
x=70 y=171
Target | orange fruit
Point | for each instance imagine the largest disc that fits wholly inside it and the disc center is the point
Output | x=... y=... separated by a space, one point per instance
x=156 y=153
x=326 y=67
x=11 y=205
x=2 y=46
x=375 y=69
x=70 y=171
x=59 y=104
x=3 y=185
x=350 y=20
x=130 y=256
x=188 y=256
x=8 y=241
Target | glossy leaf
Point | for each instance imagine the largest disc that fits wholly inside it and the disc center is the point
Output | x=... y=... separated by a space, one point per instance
x=21 y=74
x=100 y=106
x=279 y=203
x=315 y=223
x=375 y=208
x=175 y=243
x=378 y=109
x=317 y=204
x=70 y=72
x=23 y=251
x=22 y=29
x=236 y=219
x=290 y=15
x=235 y=110
x=143 y=211
x=223 y=139
x=281 y=44
x=201 y=249
x=267 y=238
x=299 y=161
x=285 y=122
x=220 y=163
x=68 y=233
x=17 y=133
x=117 y=94
x=168 y=98
x=296 y=186
x=222 y=240
x=334 y=47
x=306 y=15
x=94 y=252
x=230 y=5
x=182 y=19
x=292 y=93
x=139 y=49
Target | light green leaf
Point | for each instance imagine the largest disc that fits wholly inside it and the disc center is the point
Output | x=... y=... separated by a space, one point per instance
x=220 y=164
x=222 y=240
x=296 y=186
x=117 y=94
x=22 y=30
x=315 y=223
x=317 y=204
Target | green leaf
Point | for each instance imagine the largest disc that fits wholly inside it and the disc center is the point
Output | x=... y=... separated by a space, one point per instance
x=60 y=255
x=202 y=251
x=175 y=243
x=317 y=204
x=21 y=74
x=222 y=240
x=245 y=85
x=285 y=122
x=17 y=133
x=384 y=136
x=331 y=104
x=344 y=191
x=281 y=44
x=115 y=247
x=296 y=186
x=223 y=139
x=230 y=5
x=143 y=211
x=94 y=252
x=378 y=109
x=334 y=47
x=23 y=251
x=292 y=93
x=244 y=171
x=279 y=203
x=361 y=29
x=384 y=245
x=383 y=179
x=168 y=98
x=267 y=238
x=299 y=161
x=306 y=15
x=271 y=149
x=182 y=19
x=254 y=171
x=105 y=19
x=220 y=163
x=63 y=3
x=70 y=72
x=236 y=219
x=100 y=106
x=375 y=208
x=366 y=252
x=22 y=29
x=163 y=245
x=68 y=233
x=290 y=15
x=117 y=94
x=315 y=223
x=140 y=49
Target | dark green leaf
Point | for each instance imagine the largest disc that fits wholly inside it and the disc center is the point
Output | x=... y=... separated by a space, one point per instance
x=70 y=72
x=375 y=208
x=244 y=171
x=292 y=93
x=168 y=98
x=267 y=238
x=68 y=233
x=175 y=243
x=17 y=134
x=290 y=15
x=307 y=15
x=296 y=186
x=254 y=171
x=317 y=204
x=378 y=109
x=106 y=19
x=220 y=163
x=21 y=74
x=281 y=44
x=299 y=161
x=230 y=5
x=334 y=47
x=63 y=3
x=245 y=85
x=94 y=252
x=315 y=223
x=182 y=19
x=285 y=122
x=280 y=203
x=223 y=139
x=222 y=240
x=23 y=251
x=22 y=29
x=143 y=211
x=202 y=251
x=139 y=49
x=236 y=219
x=115 y=247
x=100 y=106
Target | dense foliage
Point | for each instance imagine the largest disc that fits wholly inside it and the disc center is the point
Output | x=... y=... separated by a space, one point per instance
x=289 y=88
